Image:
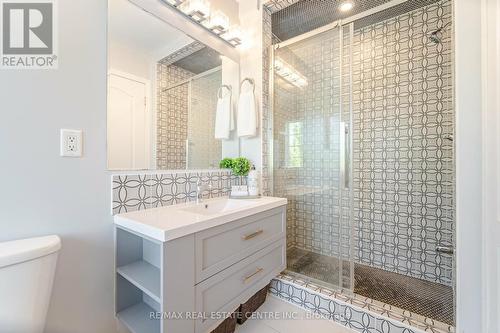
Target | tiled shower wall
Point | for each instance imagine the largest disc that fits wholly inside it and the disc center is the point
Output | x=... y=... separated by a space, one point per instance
x=403 y=161
x=403 y=156
x=172 y=117
x=183 y=113
x=309 y=119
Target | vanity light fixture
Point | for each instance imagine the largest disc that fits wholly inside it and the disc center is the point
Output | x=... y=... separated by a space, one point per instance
x=218 y=22
x=290 y=74
x=233 y=35
x=346 y=6
x=198 y=10
x=175 y=3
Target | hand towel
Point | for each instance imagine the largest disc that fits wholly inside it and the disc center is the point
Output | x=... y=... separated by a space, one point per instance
x=224 y=120
x=247 y=115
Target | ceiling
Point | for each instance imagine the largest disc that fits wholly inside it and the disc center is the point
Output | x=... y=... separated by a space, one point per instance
x=200 y=61
x=293 y=18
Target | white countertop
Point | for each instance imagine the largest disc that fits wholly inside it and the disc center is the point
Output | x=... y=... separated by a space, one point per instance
x=171 y=222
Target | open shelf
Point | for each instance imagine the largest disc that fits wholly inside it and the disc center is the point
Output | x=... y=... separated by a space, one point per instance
x=137 y=319
x=144 y=276
x=138 y=282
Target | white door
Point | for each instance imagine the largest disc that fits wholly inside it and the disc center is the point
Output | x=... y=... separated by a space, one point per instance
x=128 y=123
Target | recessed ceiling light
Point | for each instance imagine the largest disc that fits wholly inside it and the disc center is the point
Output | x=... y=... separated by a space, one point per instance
x=346 y=6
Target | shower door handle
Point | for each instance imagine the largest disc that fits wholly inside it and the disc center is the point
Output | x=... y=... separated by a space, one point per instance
x=344 y=155
x=445 y=249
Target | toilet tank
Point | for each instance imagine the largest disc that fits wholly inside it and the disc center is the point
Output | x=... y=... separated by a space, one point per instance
x=27 y=270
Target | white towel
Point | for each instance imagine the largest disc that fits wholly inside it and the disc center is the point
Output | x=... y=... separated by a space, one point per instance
x=247 y=115
x=224 y=118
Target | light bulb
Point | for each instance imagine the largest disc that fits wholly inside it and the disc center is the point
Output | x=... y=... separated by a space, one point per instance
x=233 y=35
x=290 y=74
x=199 y=10
x=346 y=6
x=219 y=22
x=174 y=3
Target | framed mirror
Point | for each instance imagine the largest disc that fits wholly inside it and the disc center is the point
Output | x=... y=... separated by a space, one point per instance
x=163 y=91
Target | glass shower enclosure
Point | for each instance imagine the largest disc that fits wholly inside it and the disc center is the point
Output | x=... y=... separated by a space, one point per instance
x=362 y=148
x=312 y=154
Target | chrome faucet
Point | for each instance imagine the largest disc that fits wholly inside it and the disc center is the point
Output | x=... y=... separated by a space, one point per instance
x=200 y=188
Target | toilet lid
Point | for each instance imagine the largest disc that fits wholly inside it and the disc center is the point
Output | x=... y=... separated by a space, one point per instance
x=14 y=252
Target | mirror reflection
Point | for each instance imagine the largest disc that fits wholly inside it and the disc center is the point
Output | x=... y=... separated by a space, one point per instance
x=163 y=93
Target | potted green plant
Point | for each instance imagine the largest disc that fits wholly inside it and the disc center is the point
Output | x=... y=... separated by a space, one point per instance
x=226 y=163
x=240 y=166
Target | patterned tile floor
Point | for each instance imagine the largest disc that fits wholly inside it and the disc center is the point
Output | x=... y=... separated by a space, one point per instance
x=278 y=316
x=428 y=299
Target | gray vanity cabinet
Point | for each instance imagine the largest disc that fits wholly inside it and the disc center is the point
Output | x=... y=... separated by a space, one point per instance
x=187 y=284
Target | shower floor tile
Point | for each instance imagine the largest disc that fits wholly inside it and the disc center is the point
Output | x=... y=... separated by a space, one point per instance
x=316 y=266
x=428 y=299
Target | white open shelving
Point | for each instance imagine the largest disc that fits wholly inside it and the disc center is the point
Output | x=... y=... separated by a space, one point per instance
x=138 y=282
x=144 y=276
x=137 y=319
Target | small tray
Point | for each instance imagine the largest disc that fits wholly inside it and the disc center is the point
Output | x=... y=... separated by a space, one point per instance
x=246 y=197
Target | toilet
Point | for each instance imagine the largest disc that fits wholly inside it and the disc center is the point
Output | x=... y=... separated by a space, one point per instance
x=27 y=270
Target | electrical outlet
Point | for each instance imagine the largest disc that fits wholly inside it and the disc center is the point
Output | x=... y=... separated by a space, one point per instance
x=71 y=143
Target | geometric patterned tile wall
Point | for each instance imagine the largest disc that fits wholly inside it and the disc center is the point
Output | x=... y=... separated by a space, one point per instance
x=266 y=115
x=183 y=112
x=309 y=119
x=172 y=117
x=403 y=161
x=418 y=184
x=134 y=192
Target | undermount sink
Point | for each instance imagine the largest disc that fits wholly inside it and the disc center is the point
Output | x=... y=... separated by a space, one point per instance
x=212 y=207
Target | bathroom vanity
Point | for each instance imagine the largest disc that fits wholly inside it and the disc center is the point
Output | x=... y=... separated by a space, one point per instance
x=181 y=268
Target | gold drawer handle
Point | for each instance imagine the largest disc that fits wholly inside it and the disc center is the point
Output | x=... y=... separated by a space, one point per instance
x=255 y=234
x=253 y=274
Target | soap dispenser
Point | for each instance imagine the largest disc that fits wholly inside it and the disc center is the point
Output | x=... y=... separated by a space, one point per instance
x=253 y=182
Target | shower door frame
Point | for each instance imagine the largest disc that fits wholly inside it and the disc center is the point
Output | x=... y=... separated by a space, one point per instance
x=340 y=24
x=189 y=82
x=342 y=126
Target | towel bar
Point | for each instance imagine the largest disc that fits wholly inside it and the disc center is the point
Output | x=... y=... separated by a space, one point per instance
x=219 y=91
x=251 y=81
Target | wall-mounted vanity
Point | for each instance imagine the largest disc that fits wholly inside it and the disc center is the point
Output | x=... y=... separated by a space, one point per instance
x=177 y=262
x=181 y=268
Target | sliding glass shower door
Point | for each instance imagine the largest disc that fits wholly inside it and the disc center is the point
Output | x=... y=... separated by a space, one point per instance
x=202 y=149
x=363 y=125
x=311 y=154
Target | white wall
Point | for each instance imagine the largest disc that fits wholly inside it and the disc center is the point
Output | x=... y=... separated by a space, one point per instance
x=43 y=193
x=230 y=77
x=491 y=170
x=468 y=165
x=251 y=67
x=229 y=7
x=129 y=60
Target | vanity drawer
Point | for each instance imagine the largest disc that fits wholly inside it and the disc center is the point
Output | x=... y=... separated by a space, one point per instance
x=220 y=247
x=224 y=292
